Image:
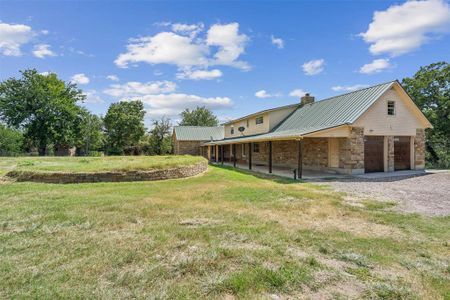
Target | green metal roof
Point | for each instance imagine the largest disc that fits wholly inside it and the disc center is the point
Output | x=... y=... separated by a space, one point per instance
x=198 y=133
x=324 y=114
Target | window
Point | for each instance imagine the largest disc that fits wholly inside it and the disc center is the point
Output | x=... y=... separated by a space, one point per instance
x=232 y=130
x=243 y=150
x=391 y=108
x=256 y=148
x=248 y=123
x=259 y=120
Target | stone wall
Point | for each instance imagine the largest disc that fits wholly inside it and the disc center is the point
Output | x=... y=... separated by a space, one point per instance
x=315 y=153
x=351 y=152
x=419 y=149
x=46 y=177
x=390 y=153
x=186 y=147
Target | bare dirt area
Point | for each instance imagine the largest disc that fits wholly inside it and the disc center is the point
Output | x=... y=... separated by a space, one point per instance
x=428 y=194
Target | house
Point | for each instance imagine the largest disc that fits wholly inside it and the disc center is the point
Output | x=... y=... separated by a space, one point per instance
x=375 y=129
x=188 y=139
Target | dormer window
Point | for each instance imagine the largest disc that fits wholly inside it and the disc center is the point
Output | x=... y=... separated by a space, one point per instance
x=391 y=108
x=259 y=120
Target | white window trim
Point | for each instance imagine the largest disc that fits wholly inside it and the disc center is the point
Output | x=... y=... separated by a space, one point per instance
x=387 y=107
x=262 y=118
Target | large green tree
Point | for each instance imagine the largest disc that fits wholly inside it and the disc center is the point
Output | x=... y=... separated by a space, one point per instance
x=200 y=116
x=43 y=107
x=124 y=126
x=11 y=141
x=430 y=89
x=160 y=138
x=91 y=137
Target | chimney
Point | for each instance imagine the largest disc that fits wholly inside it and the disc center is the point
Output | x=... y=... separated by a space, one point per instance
x=306 y=99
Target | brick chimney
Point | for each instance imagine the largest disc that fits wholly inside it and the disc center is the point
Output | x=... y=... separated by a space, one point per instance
x=306 y=99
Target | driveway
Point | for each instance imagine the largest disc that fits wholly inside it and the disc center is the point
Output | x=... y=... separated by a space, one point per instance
x=427 y=194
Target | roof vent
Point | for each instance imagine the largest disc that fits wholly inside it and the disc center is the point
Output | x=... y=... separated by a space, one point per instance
x=306 y=99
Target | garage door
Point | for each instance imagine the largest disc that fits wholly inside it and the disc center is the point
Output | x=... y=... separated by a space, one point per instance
x=402 y=153
x=373 y=154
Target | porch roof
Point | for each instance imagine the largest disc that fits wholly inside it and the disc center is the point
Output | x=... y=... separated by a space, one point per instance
x=317 y=116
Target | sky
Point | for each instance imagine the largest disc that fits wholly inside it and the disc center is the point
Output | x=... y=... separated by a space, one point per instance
x=234 y=57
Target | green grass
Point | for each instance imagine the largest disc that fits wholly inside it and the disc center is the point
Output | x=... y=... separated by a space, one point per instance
x=221 y=234
x=94 y=164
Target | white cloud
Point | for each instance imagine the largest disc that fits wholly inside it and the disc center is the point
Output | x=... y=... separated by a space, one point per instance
x=265 y=94
x=403 y=28
x=112 y=77
x=199 y=74
x=171 y=105
x=12 y=37
x=313 y=67
x=348 y=88
x=43 y=50
x=188 y=29
x=80 y=79
x=164 y=48
x=137 y=89
x=297 y=93
x=376 y=66
x=231 y=45
x=279 y=43
x=92 y=97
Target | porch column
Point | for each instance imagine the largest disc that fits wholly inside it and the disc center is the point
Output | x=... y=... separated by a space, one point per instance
x=270 y=156
x=300 y=159
x=250 y=155
x=234 y=155
x=217 y=153
x=209 y=153
x=222 y=153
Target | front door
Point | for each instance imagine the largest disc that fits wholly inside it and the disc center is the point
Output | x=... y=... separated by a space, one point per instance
x=373 y=154
x=402 y=153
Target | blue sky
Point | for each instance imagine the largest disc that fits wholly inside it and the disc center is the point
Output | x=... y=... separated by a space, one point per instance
x=234 y=57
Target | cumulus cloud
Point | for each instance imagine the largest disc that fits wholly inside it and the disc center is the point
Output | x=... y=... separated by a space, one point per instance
x=171 y=105
x=136 y=89
x=376 y=66
x=12 y=37
x=43 y=50
x=92 y=97
x=404 y=28
x=231 y=44
x=199 y=74
x=297 y=93
x=220 y=45
x=348 y=88
x=279 y=43
x=80 y=79
x=313 y=67
x=112 y=77
x=265 y=94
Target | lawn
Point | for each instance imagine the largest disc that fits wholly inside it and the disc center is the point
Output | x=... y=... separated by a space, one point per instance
x=222 y=234
x=94 y=164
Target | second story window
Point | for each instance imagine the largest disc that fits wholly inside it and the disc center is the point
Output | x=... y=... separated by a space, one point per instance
x=259 y=120
x=391 y=108
x=232 y=130
x=248 y=123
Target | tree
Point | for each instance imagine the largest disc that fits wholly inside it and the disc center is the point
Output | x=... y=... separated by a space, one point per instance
x=200 y=116
x=11 y=141
x=124 y=125
x=90 y=136
x=43 y=106
x=160 y=139
x=430 y=90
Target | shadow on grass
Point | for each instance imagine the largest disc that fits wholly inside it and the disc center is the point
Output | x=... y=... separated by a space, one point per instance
x=271 y=177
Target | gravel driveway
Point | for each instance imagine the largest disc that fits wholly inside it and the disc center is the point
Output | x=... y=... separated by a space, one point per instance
x=428 y=194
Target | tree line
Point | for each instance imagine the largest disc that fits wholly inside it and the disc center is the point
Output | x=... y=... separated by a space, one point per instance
x=42 y=114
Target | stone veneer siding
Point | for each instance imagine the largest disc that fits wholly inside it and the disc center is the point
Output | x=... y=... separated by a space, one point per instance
x=186 y=147
x=351 y=152
x=179 y=172
x=419 y=149
x=390 y=153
